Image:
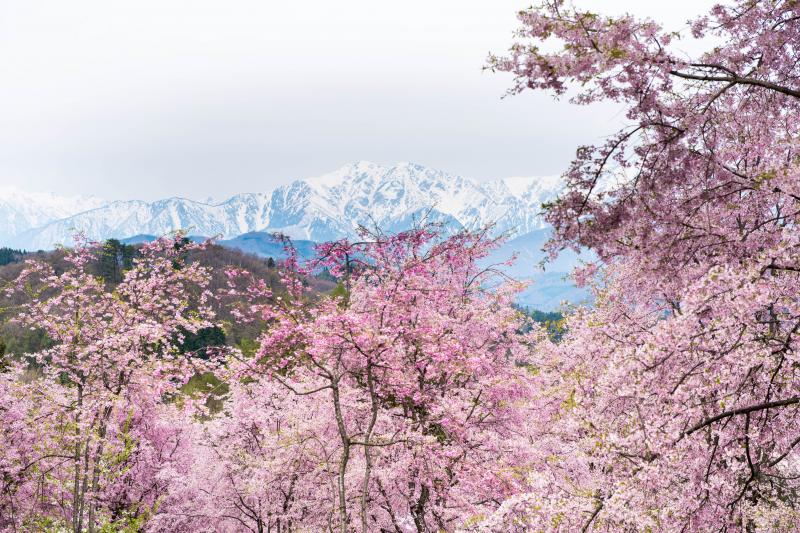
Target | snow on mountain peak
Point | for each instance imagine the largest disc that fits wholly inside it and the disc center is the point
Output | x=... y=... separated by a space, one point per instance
x=22 y=210
x=348 y=172
x=325 y=207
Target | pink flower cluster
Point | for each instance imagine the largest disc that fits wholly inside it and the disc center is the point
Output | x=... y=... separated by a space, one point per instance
x=674 y=404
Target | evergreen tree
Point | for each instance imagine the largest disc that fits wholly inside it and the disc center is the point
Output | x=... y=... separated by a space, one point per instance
x=114 y=259
x=9 y=255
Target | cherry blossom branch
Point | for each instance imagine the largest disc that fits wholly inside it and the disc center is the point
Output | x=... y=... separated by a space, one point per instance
x=742 y=411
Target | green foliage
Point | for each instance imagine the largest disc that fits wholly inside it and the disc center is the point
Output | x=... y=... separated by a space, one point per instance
x=9 y=255
x=326 y=275
x=44 y=524
x=199 y=342
x=128 y=521
x=114 y=259
x=248 y=346
x=116 y=462
x=19 y=340
x=553 y=321
x=340 y=291
x=210 y=386
x=180 y=246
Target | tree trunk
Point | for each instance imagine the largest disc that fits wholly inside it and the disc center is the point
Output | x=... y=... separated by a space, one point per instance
x=367 y=452
x=95 y=485
x=76 y=487
x=418 y=510
x=344 y=458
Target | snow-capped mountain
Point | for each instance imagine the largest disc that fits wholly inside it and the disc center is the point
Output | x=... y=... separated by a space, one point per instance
x=317 y=209
x=391 y=197
x=124 y=219
x=21 y=210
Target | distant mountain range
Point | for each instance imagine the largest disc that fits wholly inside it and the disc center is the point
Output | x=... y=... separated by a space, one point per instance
x=21 y=211
x=309 y=210
x=316 y=209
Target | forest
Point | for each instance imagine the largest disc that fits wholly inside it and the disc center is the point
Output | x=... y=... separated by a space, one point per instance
x=392 y=384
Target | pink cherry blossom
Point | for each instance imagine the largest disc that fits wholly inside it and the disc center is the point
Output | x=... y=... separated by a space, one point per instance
x=673 y=404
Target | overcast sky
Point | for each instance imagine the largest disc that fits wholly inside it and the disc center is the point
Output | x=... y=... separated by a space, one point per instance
x=195 y=98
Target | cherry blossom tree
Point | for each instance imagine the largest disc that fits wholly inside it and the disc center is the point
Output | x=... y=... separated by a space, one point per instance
x=673 y=405
x=85 y=435
x=410 y=382
x=397 y=403
x=264 y=464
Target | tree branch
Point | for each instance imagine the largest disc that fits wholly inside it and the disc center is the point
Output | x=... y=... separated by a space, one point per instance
x=742 y=411
x=739 y=81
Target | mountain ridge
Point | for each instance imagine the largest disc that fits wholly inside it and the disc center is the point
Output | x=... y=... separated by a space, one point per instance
x=21 y=210
x=319 y=208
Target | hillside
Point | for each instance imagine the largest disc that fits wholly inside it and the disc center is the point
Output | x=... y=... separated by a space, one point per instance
x=111 y=261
